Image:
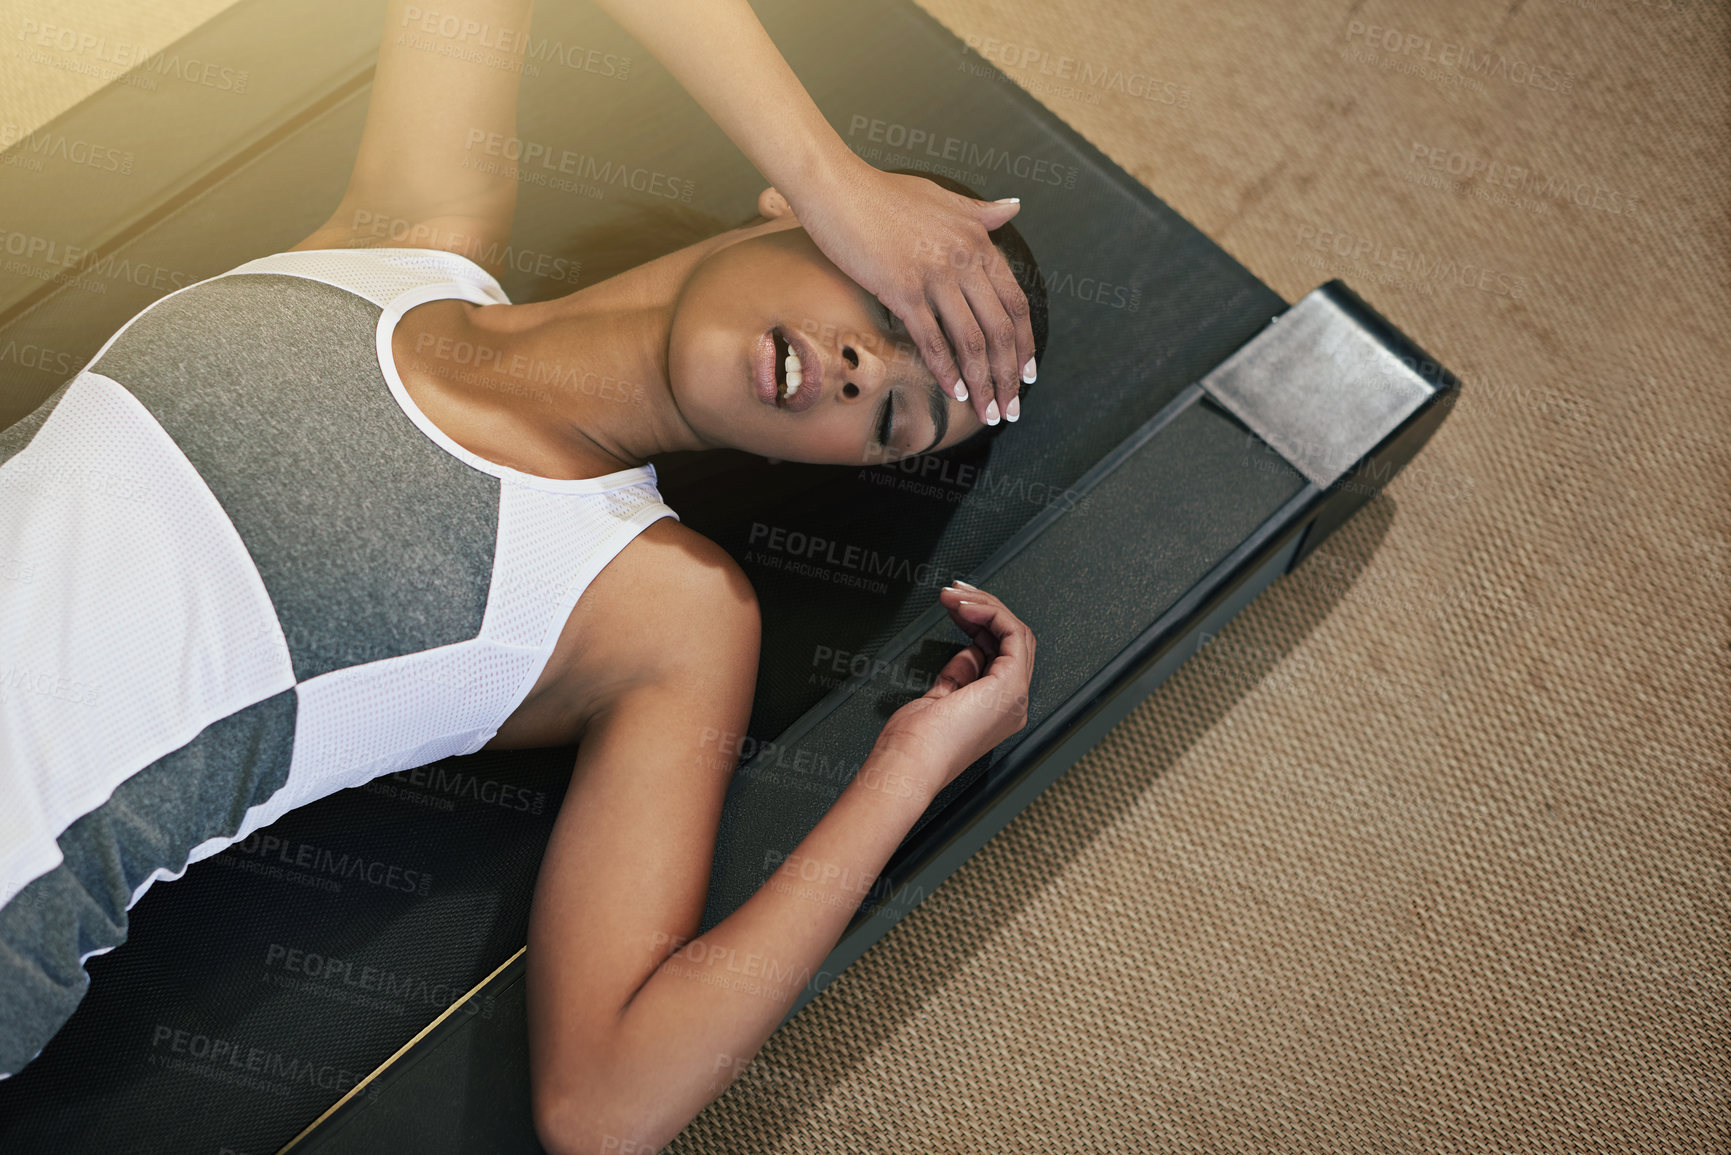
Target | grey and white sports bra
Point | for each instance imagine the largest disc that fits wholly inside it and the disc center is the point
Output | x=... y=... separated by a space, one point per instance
x=236 y=514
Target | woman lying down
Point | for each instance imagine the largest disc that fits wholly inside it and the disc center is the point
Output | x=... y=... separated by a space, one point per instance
x=340 y=560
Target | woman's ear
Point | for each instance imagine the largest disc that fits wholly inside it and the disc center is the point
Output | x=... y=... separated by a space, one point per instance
x=773 y=205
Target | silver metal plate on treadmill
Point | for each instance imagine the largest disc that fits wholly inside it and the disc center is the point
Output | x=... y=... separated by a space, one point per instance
x=1318 y=387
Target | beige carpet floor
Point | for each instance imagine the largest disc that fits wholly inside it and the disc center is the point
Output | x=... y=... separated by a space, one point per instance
x=1429 y=852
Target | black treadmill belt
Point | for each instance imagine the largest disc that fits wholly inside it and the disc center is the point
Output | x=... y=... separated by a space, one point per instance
x=210 y=961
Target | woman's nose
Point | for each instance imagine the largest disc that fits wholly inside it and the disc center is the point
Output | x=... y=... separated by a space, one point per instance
x=868 y=366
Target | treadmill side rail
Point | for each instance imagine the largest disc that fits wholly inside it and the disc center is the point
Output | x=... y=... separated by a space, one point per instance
x=1351 y=399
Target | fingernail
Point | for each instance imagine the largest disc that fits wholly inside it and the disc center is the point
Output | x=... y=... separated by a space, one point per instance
x=963 y=584
x=992 y=411
x=1028 y=372
x=961 y=390
x=1008 y=201
x=1014 y=411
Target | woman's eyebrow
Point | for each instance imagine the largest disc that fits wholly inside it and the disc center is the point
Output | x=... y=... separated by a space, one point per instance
x=940 y=406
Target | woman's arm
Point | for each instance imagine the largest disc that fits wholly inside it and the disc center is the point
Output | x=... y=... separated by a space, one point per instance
x=635 y=1024
x=426 y=177
x=721 y=55
x=419 y=180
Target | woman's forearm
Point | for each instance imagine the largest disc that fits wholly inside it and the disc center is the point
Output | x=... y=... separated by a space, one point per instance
x=720 y=53
x=707 y=1010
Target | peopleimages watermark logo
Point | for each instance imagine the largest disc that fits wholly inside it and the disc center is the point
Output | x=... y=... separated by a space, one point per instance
x=484 y=251
x=1406 y=267
x=45 y=144
x=717 y=965
x=924 y=144
x=15 y=678
x=480 y=34
x=533 y=163
x=1093 y=76
x=47 y=259
x=1368 y=475
x=363 y=985
x=447 y=356
x=1460 y=59
x=238 y=1063
x=843 y=563
x=941 y=479
x=1587 y=193
x=321 y=863
x=439 y=778
x=99 y=55
x=39 y=475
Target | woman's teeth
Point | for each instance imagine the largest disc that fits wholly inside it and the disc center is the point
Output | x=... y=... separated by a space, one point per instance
x=795 y=373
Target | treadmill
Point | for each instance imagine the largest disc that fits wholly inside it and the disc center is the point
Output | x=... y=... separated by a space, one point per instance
x=1192 y=437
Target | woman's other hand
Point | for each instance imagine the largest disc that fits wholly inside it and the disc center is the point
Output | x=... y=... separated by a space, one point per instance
x=979 y=699
x=923 y=251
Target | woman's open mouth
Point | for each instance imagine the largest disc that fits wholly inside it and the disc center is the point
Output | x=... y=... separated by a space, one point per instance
x=788 y=373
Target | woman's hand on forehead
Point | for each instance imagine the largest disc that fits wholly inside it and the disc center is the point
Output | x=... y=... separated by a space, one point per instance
x=924 y=252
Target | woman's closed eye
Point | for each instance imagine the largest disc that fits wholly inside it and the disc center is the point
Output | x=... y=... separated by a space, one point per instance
x=886 y=417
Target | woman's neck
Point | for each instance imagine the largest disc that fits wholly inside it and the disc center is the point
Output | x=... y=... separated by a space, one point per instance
x=594 y=362
x=601 y=355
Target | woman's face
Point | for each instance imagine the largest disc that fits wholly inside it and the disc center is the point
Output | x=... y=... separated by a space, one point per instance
x=741 y=309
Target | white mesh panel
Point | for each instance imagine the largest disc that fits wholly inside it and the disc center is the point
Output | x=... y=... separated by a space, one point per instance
x=364 y=721
x=131 y=617
x=379 y=275
x=551 y=546
x=357 y=723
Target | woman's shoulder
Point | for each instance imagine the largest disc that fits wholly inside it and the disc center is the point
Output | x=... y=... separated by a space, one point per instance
x=672 y=559
x=671 y=606
x=671 y=595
